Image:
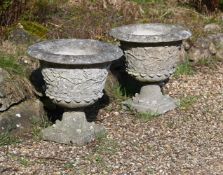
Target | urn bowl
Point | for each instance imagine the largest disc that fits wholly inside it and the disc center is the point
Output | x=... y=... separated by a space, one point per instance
x=152 y=51
x=74 y=70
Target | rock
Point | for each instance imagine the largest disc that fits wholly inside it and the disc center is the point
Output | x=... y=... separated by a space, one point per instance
x=217 y=39
x=197 y=54
x=205 y=48
x=212 y=28
x=73 y=129
x=186 y=45
x=13 y=90
x=219 y=54
x=21 y=118
x=212 y=49
x=20 y=36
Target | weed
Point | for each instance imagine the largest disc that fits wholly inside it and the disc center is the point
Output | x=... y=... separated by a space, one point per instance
x=146 y=116
x=69 y=165
x=35 y=29
x=24 y=161
x=37 y=128
x=119 y=93
x=9 y=63
x=98 y=159
x=6 y=139
x=105 y=145
x=184 y=69
x=187 y=102
x=209 y=62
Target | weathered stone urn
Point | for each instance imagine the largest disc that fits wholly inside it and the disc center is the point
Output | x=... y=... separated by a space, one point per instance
x=152 y=52
x=75 y=72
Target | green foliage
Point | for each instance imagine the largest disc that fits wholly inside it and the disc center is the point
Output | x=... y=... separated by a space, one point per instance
x=211 y=62
x=38 y=126
x=23 y=161
x=145 y=117
x=6 y=139
x=187 y=102
x=184 y=69
x=105 y=145
x=69 y=165
x=35 y=29
x=4 y=5
x=119 y=93
x=9 y=63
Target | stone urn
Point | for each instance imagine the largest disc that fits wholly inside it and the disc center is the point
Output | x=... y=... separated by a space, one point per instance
x=75 y=72
x=152 y=52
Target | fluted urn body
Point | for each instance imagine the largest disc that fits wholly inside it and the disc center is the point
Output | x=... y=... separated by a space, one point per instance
x=152 y=52
x=75 y=72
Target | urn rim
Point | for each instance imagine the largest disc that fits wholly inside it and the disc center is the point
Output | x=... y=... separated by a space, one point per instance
x=150 y=33
x=75 y=51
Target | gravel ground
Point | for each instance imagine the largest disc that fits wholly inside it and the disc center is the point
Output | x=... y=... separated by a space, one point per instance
x=187 y=140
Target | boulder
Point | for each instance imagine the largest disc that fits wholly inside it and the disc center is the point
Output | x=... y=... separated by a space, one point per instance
x=13 y=90
x=207 y=47
x=21 y=36
x=21 y=118
x=212 y=28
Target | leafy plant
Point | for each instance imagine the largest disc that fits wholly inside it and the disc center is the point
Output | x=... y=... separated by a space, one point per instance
x=120 y=93
x=35 y=29
x=7 y=139
x=184 y=69
x=105 y=145
x=9 y=63
x=38 y=126
x=69 y=165
x=24 y=161
x=209 y=62
x=147 y=116
x=187 y=102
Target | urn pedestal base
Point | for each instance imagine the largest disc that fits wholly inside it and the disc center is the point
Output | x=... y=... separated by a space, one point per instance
x=151 y=100
x=73 y=129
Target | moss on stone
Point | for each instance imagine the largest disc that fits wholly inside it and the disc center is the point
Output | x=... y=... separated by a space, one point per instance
x=35 y=29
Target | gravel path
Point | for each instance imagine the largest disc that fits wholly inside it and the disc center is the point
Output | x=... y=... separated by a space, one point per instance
x=187 y=140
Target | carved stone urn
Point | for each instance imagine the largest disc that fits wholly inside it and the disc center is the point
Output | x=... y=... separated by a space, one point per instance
x=75 y=72
x=152 y=52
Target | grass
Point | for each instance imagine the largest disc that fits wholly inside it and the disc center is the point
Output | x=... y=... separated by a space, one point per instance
x=37 y=128
x=209 y=62
x=184 y=69
x=187 y=102
x=69 y=165
x=35 y=29
x=23 y=161
x=7 y=139
x=9 y=63
x=119 y=93
x=104 y=146
x=146 y=116
x=142 y=116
